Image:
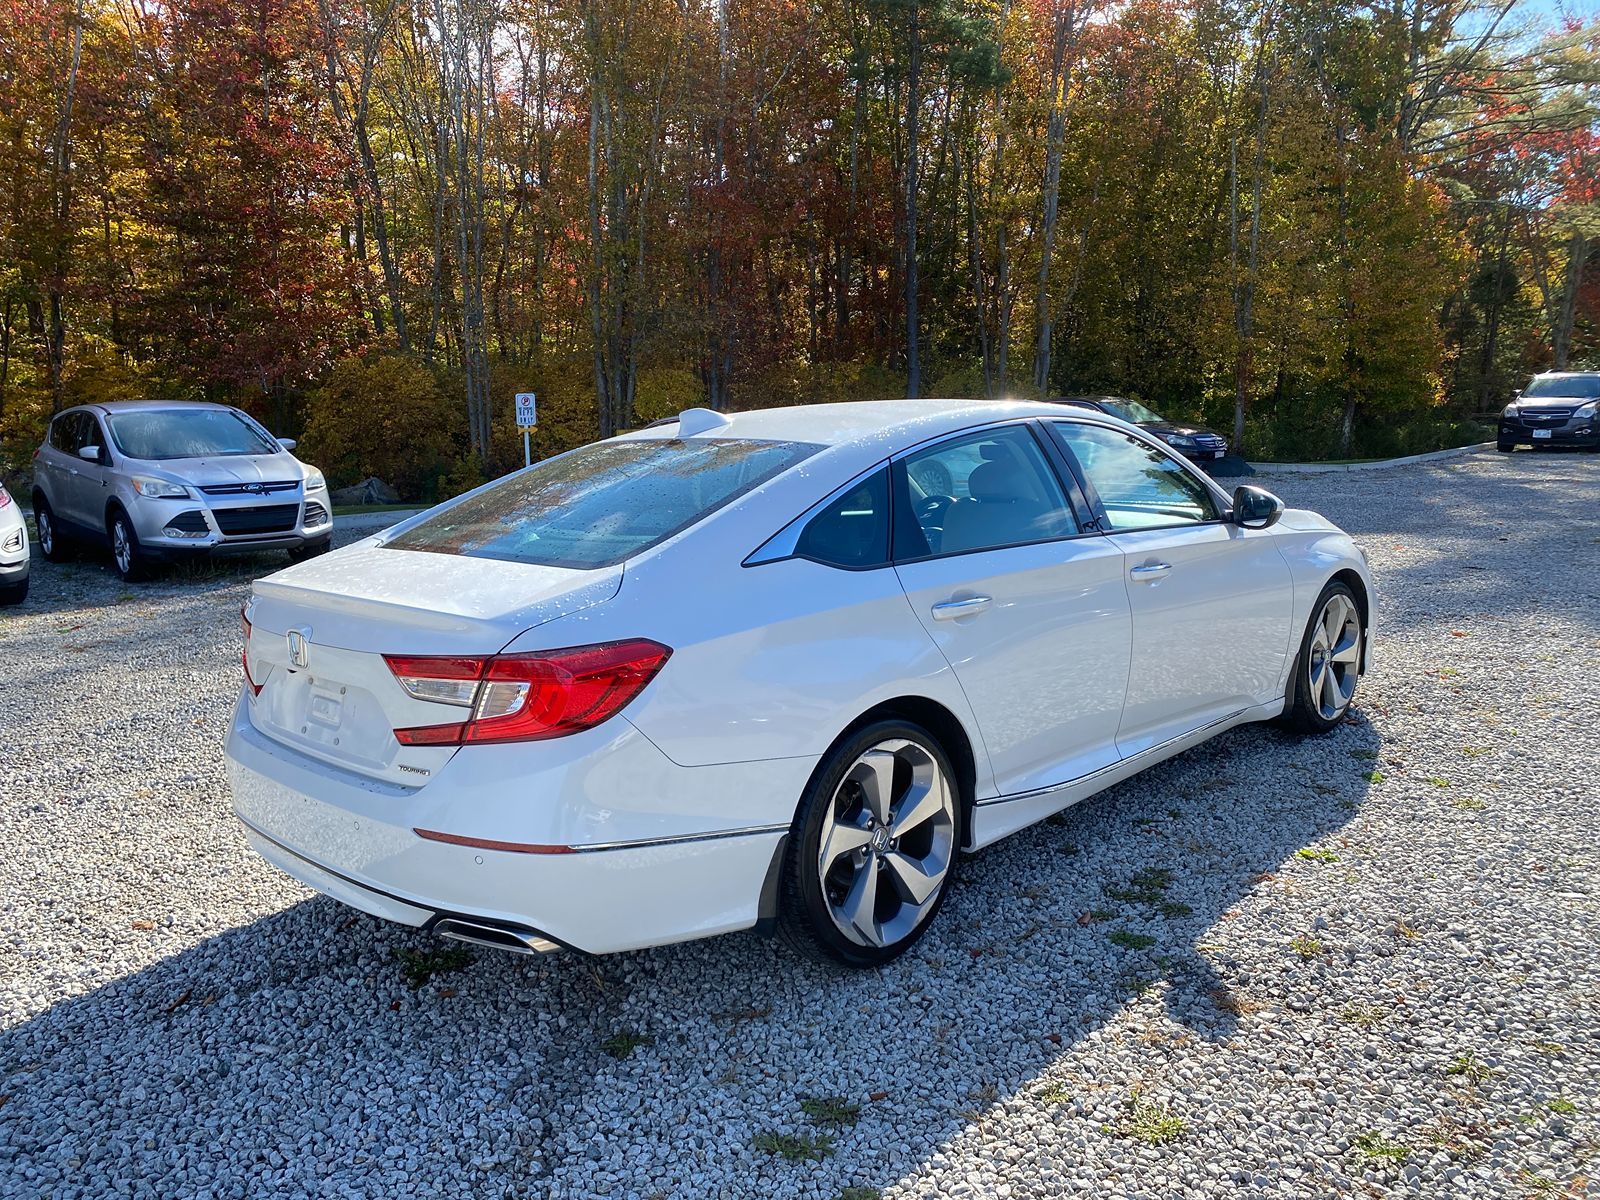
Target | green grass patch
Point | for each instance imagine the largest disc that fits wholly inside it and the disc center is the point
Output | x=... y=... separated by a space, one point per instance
x=1467 y=1066
x=1151 y=1122
x=1562 y=1107
x=830 y=1110
x=1377 y=1148
x=794 y=1147
x=1306 y=946
x=859 y=1193
x=1052 y=1094
x=1129 y=940
x=1316 y=854
x=624 y=1042
x=419 y=966
x=1374 y=776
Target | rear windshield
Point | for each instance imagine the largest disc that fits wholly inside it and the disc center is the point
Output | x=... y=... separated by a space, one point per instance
x=1574 y=387
x=187 y=433
x=602 y=503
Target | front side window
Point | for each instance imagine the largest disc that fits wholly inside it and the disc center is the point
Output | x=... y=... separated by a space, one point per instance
x=852 y=530
x=1141 y=487
x=603 y=503
x=160 y=433
x=978 y=492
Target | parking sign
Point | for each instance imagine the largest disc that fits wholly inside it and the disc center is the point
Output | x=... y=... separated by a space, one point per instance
x=526 y=412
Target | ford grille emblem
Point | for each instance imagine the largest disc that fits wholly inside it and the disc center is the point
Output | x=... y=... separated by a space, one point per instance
x=299 y=649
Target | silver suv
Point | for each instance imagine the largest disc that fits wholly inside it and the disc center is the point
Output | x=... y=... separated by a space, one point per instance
x=158 y=480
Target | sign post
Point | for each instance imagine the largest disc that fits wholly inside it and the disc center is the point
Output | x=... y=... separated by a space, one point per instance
x=527 y=418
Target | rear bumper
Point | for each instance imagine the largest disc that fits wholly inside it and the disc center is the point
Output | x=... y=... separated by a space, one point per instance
x=356 y=840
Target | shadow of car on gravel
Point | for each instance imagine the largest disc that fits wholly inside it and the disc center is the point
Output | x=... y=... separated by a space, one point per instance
x=290 y=1056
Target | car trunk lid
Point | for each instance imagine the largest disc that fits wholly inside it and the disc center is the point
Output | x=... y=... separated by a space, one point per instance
x=319 y=632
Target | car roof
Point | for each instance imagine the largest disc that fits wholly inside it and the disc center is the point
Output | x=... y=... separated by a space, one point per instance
x=901 y=422
x=110 y=406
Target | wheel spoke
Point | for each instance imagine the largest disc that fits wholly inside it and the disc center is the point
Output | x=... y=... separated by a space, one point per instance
x=1332 y=697
x=922 y=802
x=860 y=906
x=914 y=883
x=1348 y=648
x=875 y=773
x=842 y=837
x=1333 y=620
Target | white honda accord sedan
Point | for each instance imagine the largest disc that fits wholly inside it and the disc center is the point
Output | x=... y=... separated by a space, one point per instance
x=775 y=669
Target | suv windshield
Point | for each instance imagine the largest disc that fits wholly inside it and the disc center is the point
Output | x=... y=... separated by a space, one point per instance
x=187 y=433
x=1571 y=387
x=603 y=503
x=1131 y=411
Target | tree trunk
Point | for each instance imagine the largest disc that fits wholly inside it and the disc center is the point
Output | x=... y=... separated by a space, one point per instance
x=913 y=103
x=1561 y=341
x=1062 y=33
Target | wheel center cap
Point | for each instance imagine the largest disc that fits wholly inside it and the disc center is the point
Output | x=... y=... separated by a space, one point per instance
x=880 y=840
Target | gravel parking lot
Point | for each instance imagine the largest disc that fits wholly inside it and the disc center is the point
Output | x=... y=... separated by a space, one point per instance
x=1365 y=965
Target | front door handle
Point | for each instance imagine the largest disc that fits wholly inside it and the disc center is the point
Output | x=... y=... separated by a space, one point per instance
x=1150 y=572
x=949 y=610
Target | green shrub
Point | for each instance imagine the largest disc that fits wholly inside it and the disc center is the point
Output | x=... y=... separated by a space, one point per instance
x=385 y=415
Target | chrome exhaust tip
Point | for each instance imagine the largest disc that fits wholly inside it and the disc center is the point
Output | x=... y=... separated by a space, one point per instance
x=497 y=937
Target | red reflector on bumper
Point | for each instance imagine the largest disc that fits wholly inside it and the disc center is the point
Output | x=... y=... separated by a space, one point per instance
x=456 y=839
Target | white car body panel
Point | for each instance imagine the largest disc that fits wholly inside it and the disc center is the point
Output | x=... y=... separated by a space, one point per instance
x=665 y=822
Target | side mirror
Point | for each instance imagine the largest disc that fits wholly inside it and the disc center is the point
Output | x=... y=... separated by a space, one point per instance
x=287 y=443
x=89 y=453
x=1255 y=508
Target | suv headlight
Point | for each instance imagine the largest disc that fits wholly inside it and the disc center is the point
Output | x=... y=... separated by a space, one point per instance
x=1588 y=411
x=1510 y=411
x=159 y=489
x=314 y=480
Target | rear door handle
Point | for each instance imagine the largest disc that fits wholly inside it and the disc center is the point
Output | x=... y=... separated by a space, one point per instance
x=1150 y=571
x=949 y=610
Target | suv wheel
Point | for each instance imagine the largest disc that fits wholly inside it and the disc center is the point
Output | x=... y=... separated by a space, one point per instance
x=46 y=531
x=126 y=555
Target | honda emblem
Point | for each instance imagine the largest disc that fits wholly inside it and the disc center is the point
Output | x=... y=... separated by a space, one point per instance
x=299 y=649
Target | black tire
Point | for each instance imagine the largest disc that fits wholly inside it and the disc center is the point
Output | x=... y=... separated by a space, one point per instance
x=127 y=557
x=1505 y=447
x=310 y=550
x=47 y=531
x=1310 y=709
x=804 y=914
x=14 y=593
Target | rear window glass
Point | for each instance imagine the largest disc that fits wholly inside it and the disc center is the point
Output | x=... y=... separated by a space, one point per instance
x=602 y=503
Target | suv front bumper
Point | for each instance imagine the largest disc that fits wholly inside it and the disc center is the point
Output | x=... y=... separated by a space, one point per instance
x=1577 y=431
x=204 y=524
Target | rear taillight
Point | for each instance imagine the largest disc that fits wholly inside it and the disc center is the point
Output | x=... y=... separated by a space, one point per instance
x=5 y=496
x=526 y=697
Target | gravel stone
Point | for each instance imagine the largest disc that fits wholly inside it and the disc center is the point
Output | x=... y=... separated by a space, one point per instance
x=1415 y=1013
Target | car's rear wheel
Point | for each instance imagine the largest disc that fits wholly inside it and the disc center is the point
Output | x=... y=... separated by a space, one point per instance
x=1329 y=663
x=873 y=846
x=126 y=555
x=46 y=532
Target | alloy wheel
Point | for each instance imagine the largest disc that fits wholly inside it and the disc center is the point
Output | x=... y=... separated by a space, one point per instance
x=47 y=530
x=1332 y=666
x=121 y=546
x=887 y=842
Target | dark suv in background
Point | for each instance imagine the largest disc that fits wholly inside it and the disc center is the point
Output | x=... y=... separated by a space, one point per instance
x=1194 y=442
x=1557 y=408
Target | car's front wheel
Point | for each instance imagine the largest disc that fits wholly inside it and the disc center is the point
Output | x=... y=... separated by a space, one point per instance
x=1505 y=447
x=126 y=554
x=1329 y=664
x=873 y=846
